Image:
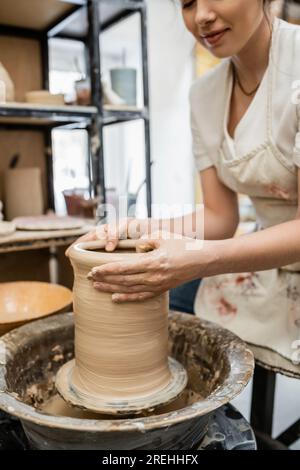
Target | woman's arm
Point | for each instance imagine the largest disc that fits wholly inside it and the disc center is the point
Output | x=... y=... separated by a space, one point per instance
x=221 y=212
x=220 y=217
x=173 y=262
x=270 y=248
x=216 y=220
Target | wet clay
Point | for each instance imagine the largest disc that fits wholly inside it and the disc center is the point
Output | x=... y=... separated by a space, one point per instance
x=121 y=350
x=56 y=406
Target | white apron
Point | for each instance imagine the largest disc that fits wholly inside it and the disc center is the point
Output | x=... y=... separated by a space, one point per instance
x=263 y=308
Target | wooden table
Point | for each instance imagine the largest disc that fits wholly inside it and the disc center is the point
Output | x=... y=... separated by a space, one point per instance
x=33 y=240
x=38 y=255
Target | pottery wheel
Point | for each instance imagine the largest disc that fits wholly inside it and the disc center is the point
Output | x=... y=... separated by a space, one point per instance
x=139 y=405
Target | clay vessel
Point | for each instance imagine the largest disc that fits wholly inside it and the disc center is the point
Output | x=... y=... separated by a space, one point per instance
x=121 y=350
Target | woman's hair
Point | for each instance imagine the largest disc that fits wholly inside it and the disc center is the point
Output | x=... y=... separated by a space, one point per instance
x=267 y=7
x=267 y=2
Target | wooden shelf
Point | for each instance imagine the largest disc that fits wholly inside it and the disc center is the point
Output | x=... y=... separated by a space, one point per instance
x=110 y=12
x=36 y=115
x=34 y=240
x=37 y=15
x=25 y=28
x=29 y=114
x=63 y=17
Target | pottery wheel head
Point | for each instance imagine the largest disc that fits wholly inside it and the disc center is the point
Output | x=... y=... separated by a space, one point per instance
x=125 y=407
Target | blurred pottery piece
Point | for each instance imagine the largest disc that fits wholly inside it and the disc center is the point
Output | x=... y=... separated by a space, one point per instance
x=23 y=192
x=110 y=97
x=123 y=82
x=7 y=88
x=6 y=229
x=83 y=92
x=48 y=222
x=22 y=302
x=79 y=205
x=44 y=97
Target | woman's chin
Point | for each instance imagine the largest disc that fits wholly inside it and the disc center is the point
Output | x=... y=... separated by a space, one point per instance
x=222 y=52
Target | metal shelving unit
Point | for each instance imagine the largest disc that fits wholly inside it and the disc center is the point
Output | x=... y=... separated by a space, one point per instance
x=26 y=114
x=81 y=20
x=105 y=14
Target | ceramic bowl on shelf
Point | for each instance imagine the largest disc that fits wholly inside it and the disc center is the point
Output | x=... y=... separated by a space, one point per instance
x=24 y=301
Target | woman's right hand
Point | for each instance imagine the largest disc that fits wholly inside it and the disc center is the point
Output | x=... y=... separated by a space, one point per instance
x=111 y=233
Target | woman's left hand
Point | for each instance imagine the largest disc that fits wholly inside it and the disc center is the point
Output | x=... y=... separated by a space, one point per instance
x=170 y=262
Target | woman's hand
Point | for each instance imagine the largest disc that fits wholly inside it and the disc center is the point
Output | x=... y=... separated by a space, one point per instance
x=112 y=233
x=170 y=263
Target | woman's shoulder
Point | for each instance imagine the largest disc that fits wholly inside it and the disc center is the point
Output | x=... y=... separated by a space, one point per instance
x=207 y=103
x=289 y=31
x=287 y=49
